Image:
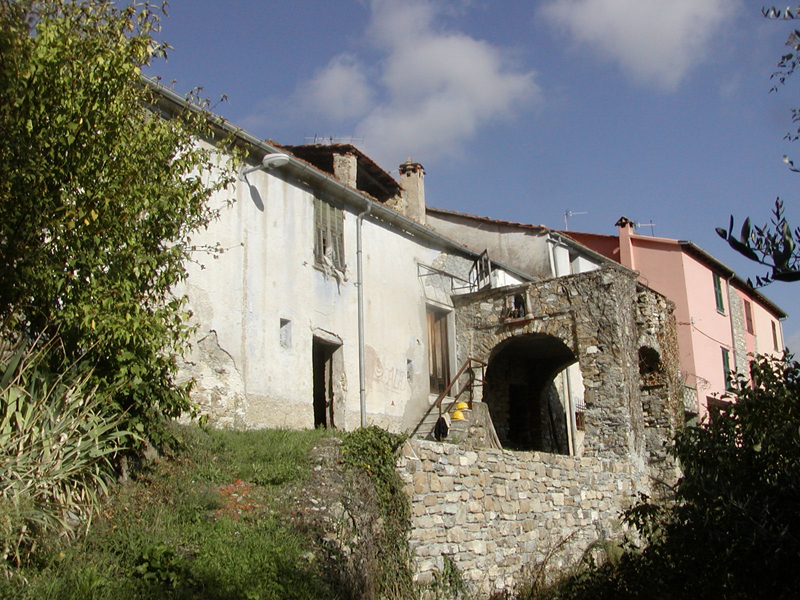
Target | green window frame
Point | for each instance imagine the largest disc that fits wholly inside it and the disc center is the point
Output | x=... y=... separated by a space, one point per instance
x=718 y=293
x=726 y=369
x=328 y=234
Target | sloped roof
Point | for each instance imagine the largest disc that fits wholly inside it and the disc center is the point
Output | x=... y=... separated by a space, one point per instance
x=609 y=246
x=371 y=178
x=167 y=102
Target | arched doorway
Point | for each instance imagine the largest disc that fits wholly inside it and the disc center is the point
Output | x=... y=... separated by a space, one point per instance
x=528 y=409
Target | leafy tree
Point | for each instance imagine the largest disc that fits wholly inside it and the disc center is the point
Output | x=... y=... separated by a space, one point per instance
x=98 y=197
x=732 y=530
x=775 y=245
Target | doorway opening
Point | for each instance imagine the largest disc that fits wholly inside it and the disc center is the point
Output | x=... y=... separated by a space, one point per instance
x=325 y=376
x=527 y=406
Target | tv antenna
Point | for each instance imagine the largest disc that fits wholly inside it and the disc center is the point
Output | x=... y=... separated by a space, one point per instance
x=567 y=215
x=651 y=225
x=329 y=140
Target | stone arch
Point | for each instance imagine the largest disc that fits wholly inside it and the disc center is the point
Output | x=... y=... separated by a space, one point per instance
x=527 y=408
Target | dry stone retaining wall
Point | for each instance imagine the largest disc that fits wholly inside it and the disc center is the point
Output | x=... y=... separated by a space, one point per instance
x=496 y=512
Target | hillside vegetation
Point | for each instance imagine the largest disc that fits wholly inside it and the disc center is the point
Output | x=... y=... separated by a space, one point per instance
x=229 y=515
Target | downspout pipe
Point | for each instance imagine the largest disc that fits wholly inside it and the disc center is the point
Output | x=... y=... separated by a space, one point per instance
x=362 y=378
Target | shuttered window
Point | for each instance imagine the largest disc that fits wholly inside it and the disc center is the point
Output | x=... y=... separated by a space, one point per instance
x=718 y=293
x=748 y=317
x=726 y=369
x=329 y=234
x=438 y=351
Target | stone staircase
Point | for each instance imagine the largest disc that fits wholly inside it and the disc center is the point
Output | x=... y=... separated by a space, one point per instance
x=475 y=429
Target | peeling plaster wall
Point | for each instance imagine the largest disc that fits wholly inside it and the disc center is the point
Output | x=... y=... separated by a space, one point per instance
x=525 y=249
x=263 y=300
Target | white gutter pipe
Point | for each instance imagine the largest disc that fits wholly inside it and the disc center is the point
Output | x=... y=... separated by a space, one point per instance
x=362 y=381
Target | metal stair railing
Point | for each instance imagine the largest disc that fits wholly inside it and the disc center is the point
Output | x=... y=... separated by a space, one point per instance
x=471 y=365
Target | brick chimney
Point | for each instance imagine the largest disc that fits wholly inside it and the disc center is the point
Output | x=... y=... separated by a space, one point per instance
x=412 y=180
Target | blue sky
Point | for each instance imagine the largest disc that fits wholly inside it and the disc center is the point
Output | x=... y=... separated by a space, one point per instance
x=658 y=110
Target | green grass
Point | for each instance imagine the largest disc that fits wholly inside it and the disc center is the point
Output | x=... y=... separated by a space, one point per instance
x=207 y=524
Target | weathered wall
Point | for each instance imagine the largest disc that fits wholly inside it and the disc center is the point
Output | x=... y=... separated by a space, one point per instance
x=494 y=512
x=262 y=302
x=663 y=395
x=524 y=248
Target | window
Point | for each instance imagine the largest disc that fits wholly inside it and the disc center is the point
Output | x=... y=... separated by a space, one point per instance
x=775 y=337
x=329 y=234
x=726 y=369
x=748 y=316
x=286 y=333
x=718 y=293
x=438 y=350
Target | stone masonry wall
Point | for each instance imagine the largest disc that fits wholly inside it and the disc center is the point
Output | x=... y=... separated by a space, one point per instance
x=593 y=314
x=496 y=513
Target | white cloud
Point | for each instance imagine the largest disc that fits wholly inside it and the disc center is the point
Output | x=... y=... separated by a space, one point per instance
x=340 y=91
x=431 y=92
x=658 y=41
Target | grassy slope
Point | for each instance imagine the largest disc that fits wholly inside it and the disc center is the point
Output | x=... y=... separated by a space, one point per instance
x=212 y=523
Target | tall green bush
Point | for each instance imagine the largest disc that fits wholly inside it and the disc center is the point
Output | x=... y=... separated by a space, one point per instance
x=99 y=197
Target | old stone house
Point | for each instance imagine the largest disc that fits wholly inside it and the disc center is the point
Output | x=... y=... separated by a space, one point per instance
x=339 y=301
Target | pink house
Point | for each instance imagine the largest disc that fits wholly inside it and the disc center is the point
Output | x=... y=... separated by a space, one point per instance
x=721 y=319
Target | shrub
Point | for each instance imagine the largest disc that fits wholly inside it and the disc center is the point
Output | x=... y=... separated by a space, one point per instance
x=56 y=447
x=732 y=530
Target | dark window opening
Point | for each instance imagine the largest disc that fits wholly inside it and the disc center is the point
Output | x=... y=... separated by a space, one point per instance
x=580 y=417
x=716 y=408
x=651 y=372
x=517 y=308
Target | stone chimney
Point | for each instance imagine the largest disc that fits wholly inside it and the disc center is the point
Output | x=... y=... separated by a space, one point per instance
x=345 y=169
x=412 y=180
